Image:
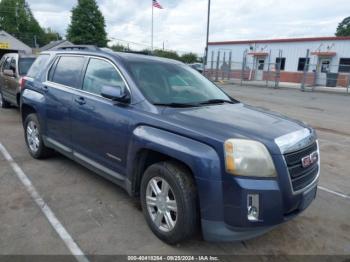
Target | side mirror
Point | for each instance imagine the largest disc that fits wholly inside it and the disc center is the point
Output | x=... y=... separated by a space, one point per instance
x=115 y=93
x=9 y=72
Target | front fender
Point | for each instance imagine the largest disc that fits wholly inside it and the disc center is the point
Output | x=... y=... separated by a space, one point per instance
x=202 y=159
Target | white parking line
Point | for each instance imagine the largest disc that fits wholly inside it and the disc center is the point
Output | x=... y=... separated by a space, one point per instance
x=55 y=223
x=334 y=192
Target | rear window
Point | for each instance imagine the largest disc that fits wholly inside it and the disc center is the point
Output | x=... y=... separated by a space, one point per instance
x=24 y=64
x=68 y=71
x=39 y=63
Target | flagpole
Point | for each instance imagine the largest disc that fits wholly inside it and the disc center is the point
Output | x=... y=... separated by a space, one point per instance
x=205 y=60
x=152 y=27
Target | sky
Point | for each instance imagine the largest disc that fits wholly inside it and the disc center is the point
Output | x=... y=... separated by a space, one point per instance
x=181 y=25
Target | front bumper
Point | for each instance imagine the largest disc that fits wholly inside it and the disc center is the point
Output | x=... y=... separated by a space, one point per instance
x=221 y=231
x=224 y=211
x=217 y=231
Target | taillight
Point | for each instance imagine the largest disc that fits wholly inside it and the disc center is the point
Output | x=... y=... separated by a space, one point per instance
x=22 y=82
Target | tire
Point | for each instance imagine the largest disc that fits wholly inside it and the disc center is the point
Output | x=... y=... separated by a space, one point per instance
x=167 y=224
x=33 y=138
x=3 y=102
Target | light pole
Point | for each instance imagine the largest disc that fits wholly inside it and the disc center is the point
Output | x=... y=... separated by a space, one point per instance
x=207 y=41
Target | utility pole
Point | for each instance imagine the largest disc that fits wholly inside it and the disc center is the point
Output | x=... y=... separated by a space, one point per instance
x=205 y=60
x=35 y=42
x=152 y=29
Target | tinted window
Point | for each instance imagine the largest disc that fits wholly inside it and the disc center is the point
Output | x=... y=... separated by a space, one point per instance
x=303 y=62
x=13 y=65
x=7 y=64
x=2 y=61
x=68 y=71
x=24 y=65
x=281 y=63
x=101 y=73
x=173 y=83
x=38 y=65
x=344 y=65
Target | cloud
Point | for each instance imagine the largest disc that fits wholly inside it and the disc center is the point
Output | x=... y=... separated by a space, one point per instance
x=181 y=25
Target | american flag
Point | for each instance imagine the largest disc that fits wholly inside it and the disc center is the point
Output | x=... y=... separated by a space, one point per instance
x=156 y=4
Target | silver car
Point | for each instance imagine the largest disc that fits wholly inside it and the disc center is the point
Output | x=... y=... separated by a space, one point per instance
x=12 y=67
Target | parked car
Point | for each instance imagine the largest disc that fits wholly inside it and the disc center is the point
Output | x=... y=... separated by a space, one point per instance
x=13 y=66
x=166 y=134
x=198 y=67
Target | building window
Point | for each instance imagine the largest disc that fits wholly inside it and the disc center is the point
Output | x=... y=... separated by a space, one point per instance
x=280 y=61
x=344 y=65
x=325 y=66
x=302 y=62
x=261 y=64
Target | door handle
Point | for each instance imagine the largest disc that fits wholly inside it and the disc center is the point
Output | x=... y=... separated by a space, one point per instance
x=80 y=100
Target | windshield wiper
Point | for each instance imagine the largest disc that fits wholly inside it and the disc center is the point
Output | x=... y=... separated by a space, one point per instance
x=176 y=104
x=216 y=101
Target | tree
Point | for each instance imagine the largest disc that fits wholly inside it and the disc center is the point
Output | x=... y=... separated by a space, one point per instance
x=51 y=35
x=343 y=28
x=189 y=58
x=119 y=48
x=17 y=19
x=166 y=54
x=87 y=25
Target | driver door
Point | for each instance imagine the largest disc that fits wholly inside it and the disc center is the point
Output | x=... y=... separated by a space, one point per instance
x=100 y=128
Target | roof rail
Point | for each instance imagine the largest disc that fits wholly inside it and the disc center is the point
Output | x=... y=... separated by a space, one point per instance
x=79 y=47
x=138 y=52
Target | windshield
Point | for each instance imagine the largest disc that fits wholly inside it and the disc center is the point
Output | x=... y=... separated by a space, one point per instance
x=165 y=83
x=25 y=64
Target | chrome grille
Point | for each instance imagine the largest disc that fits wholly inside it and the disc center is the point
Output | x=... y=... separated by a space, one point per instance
x=301 y=177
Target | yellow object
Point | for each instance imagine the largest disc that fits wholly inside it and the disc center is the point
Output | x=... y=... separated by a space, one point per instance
x=4 y=45
x=229 y=148
x=230 y=164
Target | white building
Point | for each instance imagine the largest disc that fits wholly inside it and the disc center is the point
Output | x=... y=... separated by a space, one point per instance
x=10 y=44
x=326 y=55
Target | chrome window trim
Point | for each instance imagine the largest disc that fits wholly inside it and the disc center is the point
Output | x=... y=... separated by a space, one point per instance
x=313 y=183
x=70 y=89
x=89 y=57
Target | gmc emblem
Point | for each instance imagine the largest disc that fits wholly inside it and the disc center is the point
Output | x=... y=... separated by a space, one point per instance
x=309 y=160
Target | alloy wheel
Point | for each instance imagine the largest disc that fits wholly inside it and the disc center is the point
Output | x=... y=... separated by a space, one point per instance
x=33 y=136
x=161 y=204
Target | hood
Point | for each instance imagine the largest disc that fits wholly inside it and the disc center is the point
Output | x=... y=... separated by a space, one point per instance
x=224 y=121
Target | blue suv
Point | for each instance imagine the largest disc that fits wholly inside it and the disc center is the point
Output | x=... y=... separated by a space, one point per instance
x=196 y=157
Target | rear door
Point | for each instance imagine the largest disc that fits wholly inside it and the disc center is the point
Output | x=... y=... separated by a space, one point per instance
x=100 y=127
x=13 y=81
x=2 y=67
x=64 y=77
x=5 y=78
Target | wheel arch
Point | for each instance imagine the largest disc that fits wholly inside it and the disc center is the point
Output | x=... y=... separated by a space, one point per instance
x=150 y=145
x=27 y=110
x=147 y=157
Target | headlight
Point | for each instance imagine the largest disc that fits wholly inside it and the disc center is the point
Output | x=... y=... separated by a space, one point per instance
x=248 y=158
